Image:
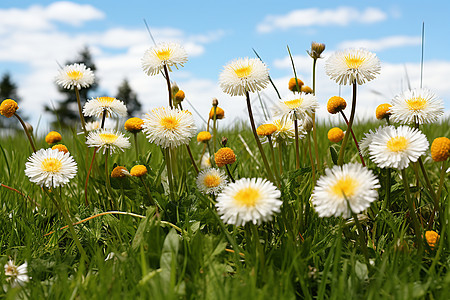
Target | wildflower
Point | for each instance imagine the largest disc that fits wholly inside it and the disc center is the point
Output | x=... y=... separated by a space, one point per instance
x=109 y=105
x=107 y=139
x=316 y=50
x=336 y=104
x=203 y=136
x=53 y=137
x=134 y=125
x=60 y=147
x=343 y=186
x=75 y=75
x=285 y=130
x=297 y=106
x=225 y=156
x=119 y=172
x=335 y=135
x=418 y=105
x=163 y=54
x=440 y=149
x=352 y=65
x=396 y=147
x=292 y=85
x=50 y=167
x=367 y=140
x=92 y=125
x=432 y=238
x=211 y=181
x=16 y=275
x=248 y=200
x=179 y=96
x=169 y=127
x=383 y=111
x=244 y=75
x=8 y=108
x=206 y=161
x=266 y=129
x=220 y=113
x=138 y=170
x=306 y=89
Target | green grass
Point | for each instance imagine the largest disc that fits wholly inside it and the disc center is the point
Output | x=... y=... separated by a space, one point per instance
x=297 y=255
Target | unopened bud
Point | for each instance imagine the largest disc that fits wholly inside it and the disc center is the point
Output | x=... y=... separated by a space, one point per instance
x=175 y=88
x=316 y=50
x=224 y=141
x=215 y=102
x=28 y=127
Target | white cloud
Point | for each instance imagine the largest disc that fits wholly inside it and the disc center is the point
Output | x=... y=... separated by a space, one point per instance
x=383 y=43
x=72 y=13
x=340 y=16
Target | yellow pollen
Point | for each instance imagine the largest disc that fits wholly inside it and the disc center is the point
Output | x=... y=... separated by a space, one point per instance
x=75 y=75
x=51 y=165
x=108 y=138
x=295 y=103
x=211 y=181
x=244 y=71
x=354 y=62
x=397 y=144
x=247 y=197
x=169 y=122
x=164 y=54
x=345 y=186
x=416 y=103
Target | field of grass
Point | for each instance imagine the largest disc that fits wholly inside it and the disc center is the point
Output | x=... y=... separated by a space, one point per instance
x=187 y=252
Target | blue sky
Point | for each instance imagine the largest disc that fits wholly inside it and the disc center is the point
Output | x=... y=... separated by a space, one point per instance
x=35 y=35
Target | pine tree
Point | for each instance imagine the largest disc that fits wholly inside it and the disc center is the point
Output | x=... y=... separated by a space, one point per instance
x=8 y=90
x=129 y=97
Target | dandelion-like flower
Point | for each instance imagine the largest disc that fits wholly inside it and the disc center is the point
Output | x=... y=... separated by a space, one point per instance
x=296 y=106
x=396 y=147
x=138 y=170
x=119 y=172
x=203 y=136
x=383 y=111
x=336 y=104
x=169 y=127
x=220 y=113
x=348 y=66
x=134 y=125
x=367 y=140
x=432 y=238
x=418 y=105
x=292 y=85
x=440 y=149
x=8 y=108
x=343 y=186
x=285 y=132
x=244 y=75
x=248 y=200
x=211 y=181
x=206 y=161
x=266 y=129
x=107 y=139
x=163 y=54
x=61 y=147
x=97 y=106
x=224 y=156
x=92 y=125
x=53 y=137
x=335 y=134
x=16 y=275
x=75 y=75
x=50 y=168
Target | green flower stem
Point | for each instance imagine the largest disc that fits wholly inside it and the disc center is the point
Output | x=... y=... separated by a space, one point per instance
x=229 y=174
x=257 y=244
x=280 y=157
x=258 y=142
x=149 y=194
x=108 y=181
x=211 y=155
x=26 y=131
x=136 y=145
x=86 y=202
x=80 y=111
x=214 y=129
x=269 y=138
x=169 y=87
x=297 y=151
x=313 y=168
x=349 y=127
x=169 y=174
x=387 y=195
x=203 y=153
x=438 y=195
x=192 y=158
x=316 y=146
x=354 y=139
x=362 y=239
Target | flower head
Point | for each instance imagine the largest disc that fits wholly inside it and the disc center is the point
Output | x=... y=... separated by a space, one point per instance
x=244 y=75
x=396 y=147
x=97 y=106
x=134 y=125
x=179 y=96
x=203 y=136
x=297 y=106
x=206 y=161
x=432 y=238
x=383 y=111
x=169 y=127
x=336 y=104
x=50 y=167
x=352 y=65
x=225 y=156
x=61 y=147
x=211 y=181
x=16 y=275
x=292 y=85
x=343 y=186
x=440 y=149
x=367 y=140
x=53 y=137
x=92 y=125
x=418 y=105
x=285 y=130
x=138 y=170
x=8 y=108
x=306 y=89
x=248 y=200
x=107 y=139
x=75 y=75
x=119 y=172
x=335 y=135
x=163 y=54
x=266 y=129
x=316 y=50
x=220 y=113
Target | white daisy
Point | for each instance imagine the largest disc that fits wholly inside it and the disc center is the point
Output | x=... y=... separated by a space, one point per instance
x=75 y=75
x=285 y=132
x=297 y=106
x=169 y=54
x=211 y=181
x=367 y=140
x=248 y=200
x=96 y=106
x=206 y=161
x=418 y=105
x=341 y=186
x=242 y=75
x=351 y=65
x=50 y=167
x=107 y=139
x=92 y=125
x=396 y=147
x=169 y=127
x=16 y=275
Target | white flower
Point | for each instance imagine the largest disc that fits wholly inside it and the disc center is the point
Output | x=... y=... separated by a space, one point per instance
x=75 y=75
x=351 y=182
x=396 y=147
x=285 y=132
x=50 y=167
x=169 y=54
x=367 y=140
x=418 y=105
x=96 y=106
x=206 y=161
x=169 y=127
x=248 y=200
x=92 y=125
x=107 y=139
x=211 y=181
x=17 y=275
x=351 y=65
x=244 y=75
x=297 y=106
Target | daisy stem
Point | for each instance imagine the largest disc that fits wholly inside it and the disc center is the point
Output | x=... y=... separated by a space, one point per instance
x=269 y=138
x=349 y=127
x=316 y=146
x=211 y=156
x=229 y=174
x=257 y=244
x=169 y=174
x=438 y=196
x=108 y=181
x=313 y=168
x=86 y=202
x=203 y=153
x=280 y=157
x=412 y=212
x=147 y=190
x=102 y=125
x=354 y=139
x=80 y=111
x=166 y=72
x=258 y=142
x=192 y=158
x=136 y=144
x=362 y=240
x=26 y=131
x=387 y=194
x=297 y=151
x=214 y=129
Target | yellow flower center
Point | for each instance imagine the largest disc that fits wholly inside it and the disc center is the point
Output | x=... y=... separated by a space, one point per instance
x=12 y=271
x=397 y=144
x=244 y=71
x=75 y=75
x=105 y=100
x=108 y=138
x=295 y=103
x=51 y=165
x=416 y=103
x=354 y=62
x=164 y=54
x=247 y=197
x=211 y=181
x=169 y=122
x=345 y=186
